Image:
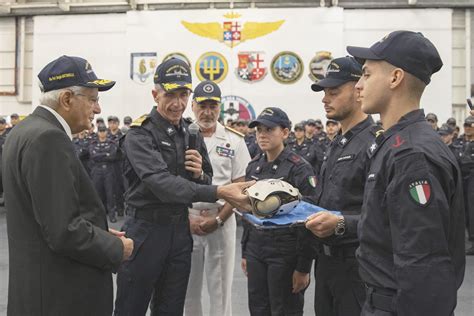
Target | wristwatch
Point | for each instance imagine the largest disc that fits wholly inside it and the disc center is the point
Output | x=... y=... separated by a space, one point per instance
x=340 y=227
x=219 y=220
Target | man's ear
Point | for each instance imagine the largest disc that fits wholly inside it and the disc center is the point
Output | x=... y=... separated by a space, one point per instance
x=155 y=93
x=396 y=77
x=64 y=100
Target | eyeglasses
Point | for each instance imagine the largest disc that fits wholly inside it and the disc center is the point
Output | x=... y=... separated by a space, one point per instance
x=93 y=100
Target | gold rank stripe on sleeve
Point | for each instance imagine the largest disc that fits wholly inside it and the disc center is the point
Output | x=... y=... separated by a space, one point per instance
x=234 y=131
x=139 y=121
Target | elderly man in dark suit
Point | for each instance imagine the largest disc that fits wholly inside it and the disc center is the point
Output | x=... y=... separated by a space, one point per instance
x=61 y=252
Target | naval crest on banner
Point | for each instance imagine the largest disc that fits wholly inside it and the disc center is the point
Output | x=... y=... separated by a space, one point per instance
x=287 y=67
x=212 y=66
x=251 y=67
x=232 y=31
x=319 y=64
x=142 y=67
x=235 y=107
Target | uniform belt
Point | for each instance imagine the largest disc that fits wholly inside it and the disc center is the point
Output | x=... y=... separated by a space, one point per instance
x=381 y=299
x=341 y=251
x=273 y=232
x=157 y=217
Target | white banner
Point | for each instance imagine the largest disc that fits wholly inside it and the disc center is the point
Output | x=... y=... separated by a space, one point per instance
x=260 y=57
x=236 y=49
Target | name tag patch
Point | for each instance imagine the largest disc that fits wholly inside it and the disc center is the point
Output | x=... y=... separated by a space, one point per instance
x=225 y=152
x=346 y=157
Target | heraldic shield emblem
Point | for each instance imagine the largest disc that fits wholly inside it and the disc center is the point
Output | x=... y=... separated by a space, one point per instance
x=212 y=66
x=287 y=67
x=142 y=67
x=251 y=67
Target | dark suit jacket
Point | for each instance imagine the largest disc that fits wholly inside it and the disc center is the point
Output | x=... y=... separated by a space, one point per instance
x=61 y=255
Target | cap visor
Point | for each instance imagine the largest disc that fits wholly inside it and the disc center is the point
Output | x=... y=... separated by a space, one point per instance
x=202 y=99
x=171 y=86
x=263 y=122
x=361 y=54
x=327 y=83
x=101 y=84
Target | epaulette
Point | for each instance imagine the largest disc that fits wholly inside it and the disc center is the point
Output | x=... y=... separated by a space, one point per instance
x=139 y=121
x=234 y=131
x=400 y=145
x=256 y=157
x=294 y=158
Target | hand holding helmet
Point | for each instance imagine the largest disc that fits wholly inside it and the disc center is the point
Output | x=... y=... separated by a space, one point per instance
x=270 y=197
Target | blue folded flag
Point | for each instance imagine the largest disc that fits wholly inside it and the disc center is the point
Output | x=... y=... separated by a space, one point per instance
x=296 y=217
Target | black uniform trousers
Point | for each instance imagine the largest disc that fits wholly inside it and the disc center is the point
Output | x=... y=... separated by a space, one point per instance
x=158 y=269
x=103 y=177
x=119 y=186
x=339 y=288
x=271 y=260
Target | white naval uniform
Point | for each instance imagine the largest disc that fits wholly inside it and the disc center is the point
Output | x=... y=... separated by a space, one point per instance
x=214 y=254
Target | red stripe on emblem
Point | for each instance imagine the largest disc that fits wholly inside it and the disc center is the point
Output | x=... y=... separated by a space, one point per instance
x=427 y=191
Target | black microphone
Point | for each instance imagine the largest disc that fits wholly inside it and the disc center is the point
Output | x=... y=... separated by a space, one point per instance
x=193 y=132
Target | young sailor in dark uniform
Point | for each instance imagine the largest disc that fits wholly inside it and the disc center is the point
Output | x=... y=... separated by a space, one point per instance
x=411 y=231
x=277 y=269
x=339 y=289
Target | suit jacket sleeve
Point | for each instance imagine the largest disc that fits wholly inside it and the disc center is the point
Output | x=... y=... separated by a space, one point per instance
x=50 y=171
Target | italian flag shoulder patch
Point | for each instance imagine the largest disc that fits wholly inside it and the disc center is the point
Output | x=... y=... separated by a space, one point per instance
x=420 y=191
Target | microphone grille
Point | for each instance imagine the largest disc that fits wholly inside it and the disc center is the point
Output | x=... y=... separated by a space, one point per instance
x=193 y=129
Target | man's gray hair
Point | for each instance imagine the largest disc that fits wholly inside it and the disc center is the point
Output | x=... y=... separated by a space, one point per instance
x=51 y=98
x=158 y=87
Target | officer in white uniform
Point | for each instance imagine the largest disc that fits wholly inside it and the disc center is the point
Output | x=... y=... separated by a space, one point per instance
x=213 y=224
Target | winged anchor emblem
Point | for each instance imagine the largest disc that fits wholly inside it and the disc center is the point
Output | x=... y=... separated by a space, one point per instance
x=232 y=33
